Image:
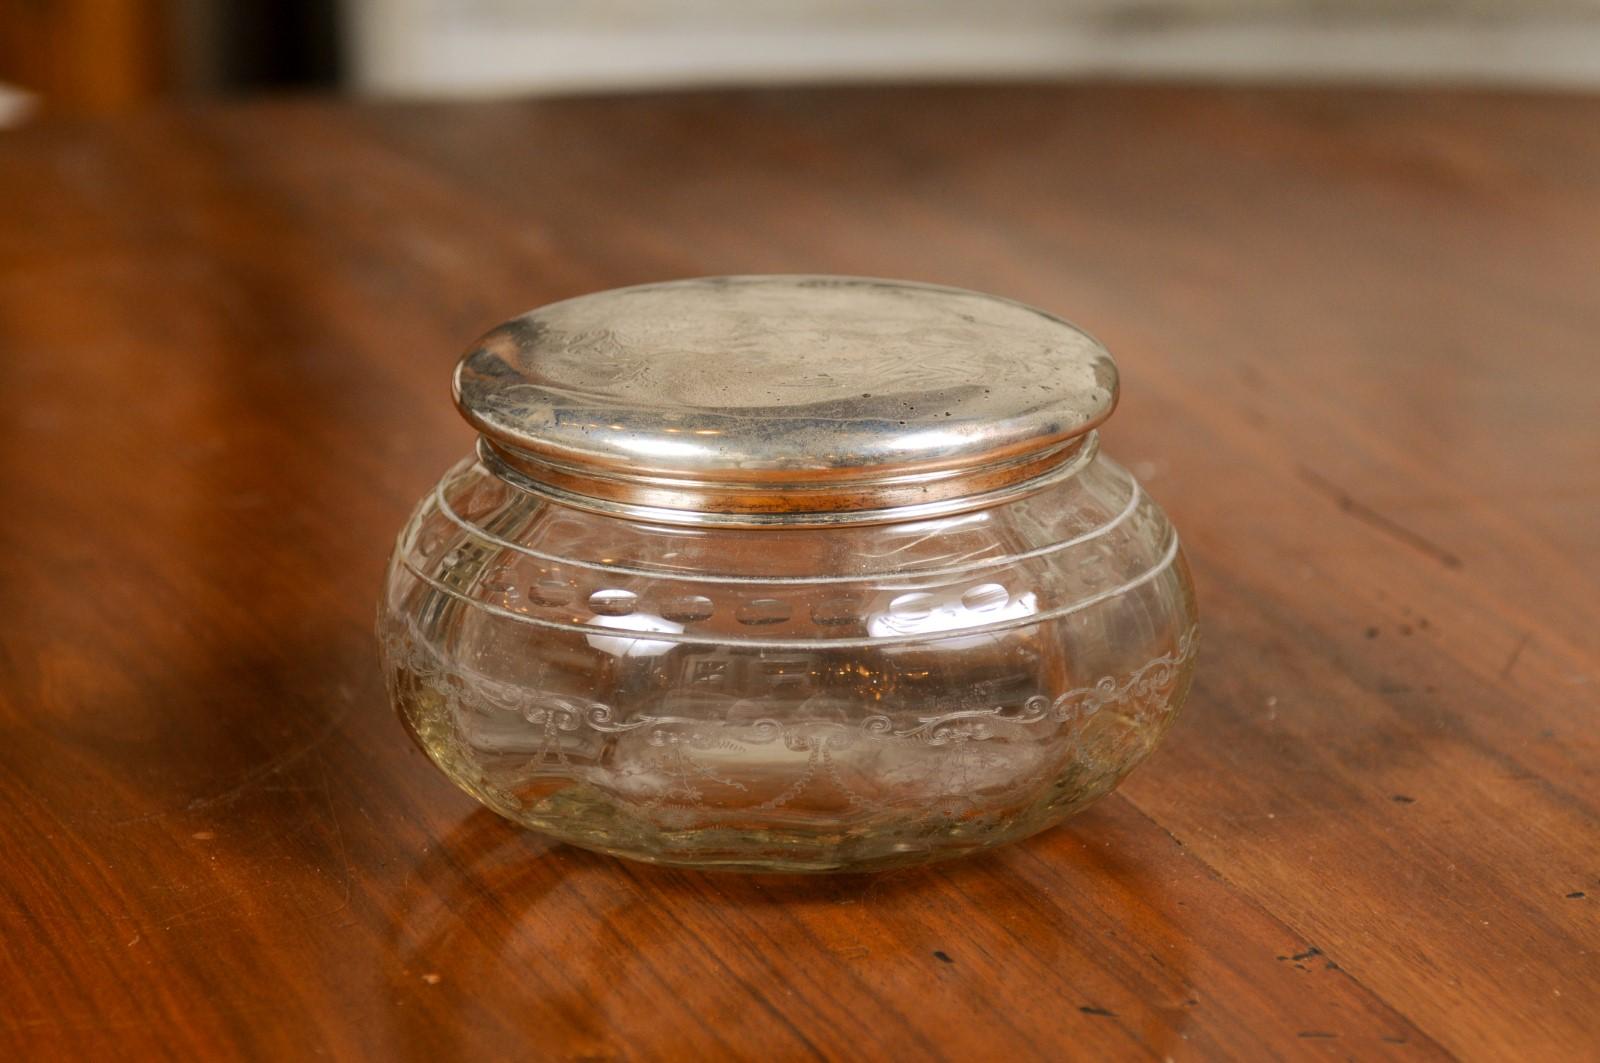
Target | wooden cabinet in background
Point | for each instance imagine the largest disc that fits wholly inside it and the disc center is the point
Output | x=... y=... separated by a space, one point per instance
x=85 y=56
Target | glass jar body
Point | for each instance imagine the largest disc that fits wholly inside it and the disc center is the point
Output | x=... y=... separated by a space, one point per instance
x=788 y=698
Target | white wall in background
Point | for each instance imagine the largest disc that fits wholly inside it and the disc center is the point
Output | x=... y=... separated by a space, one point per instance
x=466 y=47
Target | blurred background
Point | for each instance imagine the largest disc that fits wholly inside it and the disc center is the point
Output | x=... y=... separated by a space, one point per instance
x=103 y=56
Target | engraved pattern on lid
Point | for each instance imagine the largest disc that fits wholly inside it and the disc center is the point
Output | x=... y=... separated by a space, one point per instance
x=773 y=393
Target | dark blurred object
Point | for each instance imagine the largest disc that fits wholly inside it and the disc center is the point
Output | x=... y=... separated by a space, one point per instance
x=104 y=56
x=252 y=45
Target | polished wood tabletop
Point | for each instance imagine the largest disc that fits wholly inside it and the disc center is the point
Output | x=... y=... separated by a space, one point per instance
x=1359 y=334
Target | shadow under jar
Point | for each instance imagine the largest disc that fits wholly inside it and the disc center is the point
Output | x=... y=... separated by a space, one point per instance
x=787 y=574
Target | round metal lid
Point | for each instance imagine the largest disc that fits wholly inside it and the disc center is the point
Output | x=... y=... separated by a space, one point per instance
x=782 y=399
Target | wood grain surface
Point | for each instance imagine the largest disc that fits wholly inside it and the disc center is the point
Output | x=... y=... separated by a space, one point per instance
x=1358 y=334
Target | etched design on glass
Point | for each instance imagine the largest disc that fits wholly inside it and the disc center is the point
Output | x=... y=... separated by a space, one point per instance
x=683 y=762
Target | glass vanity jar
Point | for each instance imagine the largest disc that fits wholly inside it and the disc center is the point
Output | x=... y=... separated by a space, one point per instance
x=787 y=574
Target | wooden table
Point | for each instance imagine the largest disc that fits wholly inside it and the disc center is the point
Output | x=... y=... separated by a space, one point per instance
x=1360 y=338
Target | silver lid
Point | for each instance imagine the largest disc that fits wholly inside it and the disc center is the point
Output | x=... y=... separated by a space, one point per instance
x=785 y=399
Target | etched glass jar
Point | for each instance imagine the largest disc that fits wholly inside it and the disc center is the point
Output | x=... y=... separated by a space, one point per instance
x=787 y=574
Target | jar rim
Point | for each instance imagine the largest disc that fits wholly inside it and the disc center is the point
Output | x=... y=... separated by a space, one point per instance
x=967 y=569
